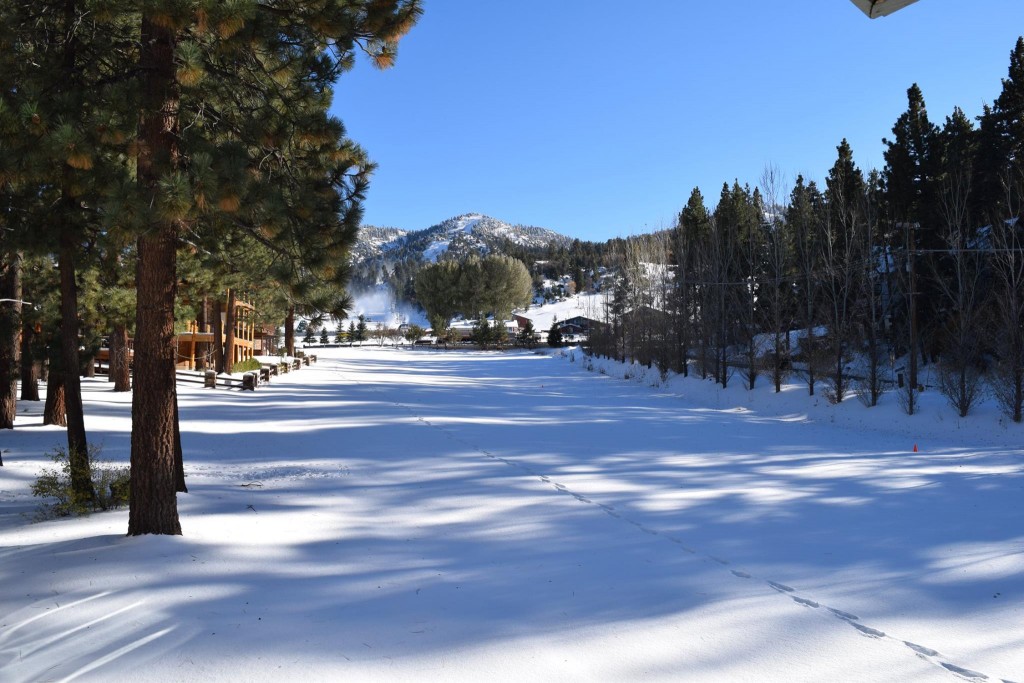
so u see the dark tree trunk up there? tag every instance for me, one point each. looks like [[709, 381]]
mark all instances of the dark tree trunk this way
[[29, 366], [153, 505], [289, 331], [218, 336], [53, 410], [179, 459], [202, 349], [120, 371], [10, 328], [87, 358], [229, 334], [78, 446]]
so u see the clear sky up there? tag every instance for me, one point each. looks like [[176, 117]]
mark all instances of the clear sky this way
[[596, 118]]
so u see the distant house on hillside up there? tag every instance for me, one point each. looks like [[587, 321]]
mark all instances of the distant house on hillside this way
[[574, 329]]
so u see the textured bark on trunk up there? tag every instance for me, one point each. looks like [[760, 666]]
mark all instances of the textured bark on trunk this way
[[10, 328], [289, 331], [229, 334], [179, 459], [153, 506], [218, 337], [120, 372], [53, 410], [201, 321], [29, 366], [78, 446]]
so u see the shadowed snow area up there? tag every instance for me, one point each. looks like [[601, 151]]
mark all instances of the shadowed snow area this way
[[419, 515]]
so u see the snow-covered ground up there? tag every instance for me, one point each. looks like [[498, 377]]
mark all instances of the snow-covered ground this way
[[395, 514], [586, 305]]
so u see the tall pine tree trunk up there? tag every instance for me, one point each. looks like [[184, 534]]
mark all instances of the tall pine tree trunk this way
[[53, 410], [179, 459], [78, 446], [29, 366], [10, 327], [201, 349], [153, 505], [229, 334], [218, 336], [289, 330], [120, 372]]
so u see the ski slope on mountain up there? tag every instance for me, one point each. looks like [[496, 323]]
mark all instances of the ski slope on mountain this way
[[392, 514]]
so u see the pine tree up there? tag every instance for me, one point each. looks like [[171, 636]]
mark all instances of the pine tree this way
[[691, 230], [554, 334], [1000, 158], [841, 253], [59, 120], [252, 80], [909, 193]]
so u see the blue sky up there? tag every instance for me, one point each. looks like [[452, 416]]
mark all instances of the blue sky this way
[[596, 118]]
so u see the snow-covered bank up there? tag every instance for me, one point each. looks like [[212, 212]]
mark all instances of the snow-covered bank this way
[[394, 514]]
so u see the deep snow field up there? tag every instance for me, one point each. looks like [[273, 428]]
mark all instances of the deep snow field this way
[[409, 515]]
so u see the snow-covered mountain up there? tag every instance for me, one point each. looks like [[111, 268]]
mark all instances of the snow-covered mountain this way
[[458, 236], [385, 260]]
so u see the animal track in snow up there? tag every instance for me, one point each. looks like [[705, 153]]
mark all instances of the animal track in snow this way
[[843, 615], [920, 649], [966, 673], [868, 631], [852, 619], [805, 602]]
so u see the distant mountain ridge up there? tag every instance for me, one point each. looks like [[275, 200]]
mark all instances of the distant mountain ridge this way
[[457, 237], [386, 260]]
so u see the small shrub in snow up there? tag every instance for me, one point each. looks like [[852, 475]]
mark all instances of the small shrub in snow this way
[[110, 484], [961, 385], [908, 396]]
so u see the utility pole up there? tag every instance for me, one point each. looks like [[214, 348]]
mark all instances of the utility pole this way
[[913, 319]]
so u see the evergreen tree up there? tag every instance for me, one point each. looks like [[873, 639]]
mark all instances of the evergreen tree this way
[[690, 232], [803, 216], [253, 82], [554, 334], [1001, 143], [527, 335], [840, 246], [909, 193]]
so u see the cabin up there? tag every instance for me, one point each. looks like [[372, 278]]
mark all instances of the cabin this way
[[197, 344]]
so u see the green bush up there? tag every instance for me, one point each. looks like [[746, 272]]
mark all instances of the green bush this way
[[110, 485], [245, 365]]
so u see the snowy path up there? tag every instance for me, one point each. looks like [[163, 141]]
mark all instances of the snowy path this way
[[415, 515]]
